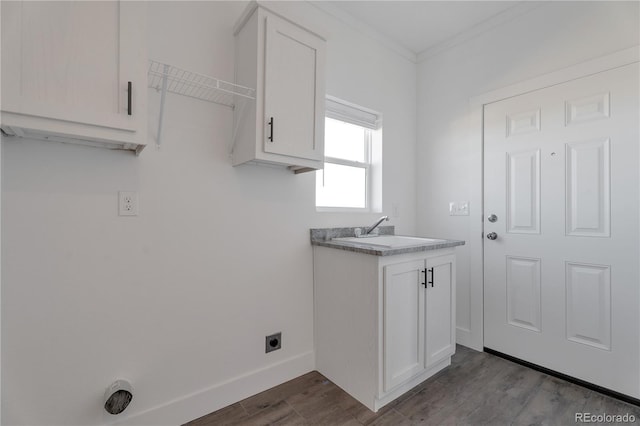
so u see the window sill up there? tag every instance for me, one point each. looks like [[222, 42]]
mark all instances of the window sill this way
[[345, 210], [342, 210]]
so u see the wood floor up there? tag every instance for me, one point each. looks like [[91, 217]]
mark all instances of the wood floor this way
[[477, 389]]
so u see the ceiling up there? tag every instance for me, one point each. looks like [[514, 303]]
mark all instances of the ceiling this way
[[421, 25]]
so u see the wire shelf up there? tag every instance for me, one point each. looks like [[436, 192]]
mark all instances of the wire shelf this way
[[167, 78], [164, 77]]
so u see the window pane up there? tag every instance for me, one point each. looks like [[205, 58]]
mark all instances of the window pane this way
[[344, 186], [344, 140]]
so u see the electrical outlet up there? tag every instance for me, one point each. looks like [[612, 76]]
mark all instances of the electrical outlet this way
[[127, 203], [273, 342]]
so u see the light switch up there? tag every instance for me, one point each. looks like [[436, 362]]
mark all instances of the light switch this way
[[463, 208], [460, 208]]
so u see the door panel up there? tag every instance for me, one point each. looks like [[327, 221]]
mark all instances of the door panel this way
[[524, 122], [589, 304], [440, 334], [588, 108], [561, 280], [523, 292], [403, 313], [292, 90], [523, 193], [588, 188]]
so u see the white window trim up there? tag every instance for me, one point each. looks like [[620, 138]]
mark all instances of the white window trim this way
[[370, 120], [351, 113]]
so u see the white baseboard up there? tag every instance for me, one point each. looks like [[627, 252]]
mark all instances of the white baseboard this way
[[220, 395], [466, 338]]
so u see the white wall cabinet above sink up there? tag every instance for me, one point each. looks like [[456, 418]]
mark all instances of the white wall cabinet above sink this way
[[285, 63], [75, 72]]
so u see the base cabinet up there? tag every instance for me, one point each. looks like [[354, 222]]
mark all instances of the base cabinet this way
[[383, 324]]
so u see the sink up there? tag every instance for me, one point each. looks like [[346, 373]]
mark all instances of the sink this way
[[389, 241]]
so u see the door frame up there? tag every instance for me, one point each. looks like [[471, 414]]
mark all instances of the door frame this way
[[474, 338]]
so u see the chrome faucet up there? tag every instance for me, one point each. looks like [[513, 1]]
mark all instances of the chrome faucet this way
[[375, 225]]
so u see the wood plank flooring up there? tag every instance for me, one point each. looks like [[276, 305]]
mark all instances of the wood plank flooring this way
[[477, 389]]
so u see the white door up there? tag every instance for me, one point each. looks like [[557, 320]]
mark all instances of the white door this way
[[294, 91], [561, 278], [440, 328], [403, 322]]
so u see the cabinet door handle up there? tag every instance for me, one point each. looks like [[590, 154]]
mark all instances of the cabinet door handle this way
[[129, 93], [432, 275], [270, 130], [424, 271]]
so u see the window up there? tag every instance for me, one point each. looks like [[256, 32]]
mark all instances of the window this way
[[351, 179]]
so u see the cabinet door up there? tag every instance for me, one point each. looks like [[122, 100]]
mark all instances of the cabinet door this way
[[440, 324], [294, 91], [71, 62], [403, 322]]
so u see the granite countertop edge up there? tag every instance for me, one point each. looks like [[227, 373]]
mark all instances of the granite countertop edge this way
[[324, 238], [382, 251]]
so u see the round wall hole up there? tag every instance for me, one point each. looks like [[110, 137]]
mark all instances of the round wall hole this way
[[117, 397]]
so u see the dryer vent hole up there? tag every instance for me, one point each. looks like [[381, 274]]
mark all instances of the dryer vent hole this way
[[118, 402], [118, 396]]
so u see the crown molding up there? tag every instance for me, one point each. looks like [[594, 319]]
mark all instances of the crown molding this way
[[364, 29], [499, 19]]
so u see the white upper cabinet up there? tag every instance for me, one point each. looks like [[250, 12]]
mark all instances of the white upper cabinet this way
[[75, 72], [285, 63]]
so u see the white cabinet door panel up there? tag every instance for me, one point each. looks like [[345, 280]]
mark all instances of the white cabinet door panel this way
[[403, 321], [293, 91], [440, 327]]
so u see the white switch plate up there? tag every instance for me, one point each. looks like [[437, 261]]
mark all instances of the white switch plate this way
[[463, 208], [460, 208], [127, 203], [395, 210]]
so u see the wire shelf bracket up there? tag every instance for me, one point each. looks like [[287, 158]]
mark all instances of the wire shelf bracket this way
[[168, 78]]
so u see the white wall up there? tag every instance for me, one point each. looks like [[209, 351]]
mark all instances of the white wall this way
[[177, 300], [553, 36]]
